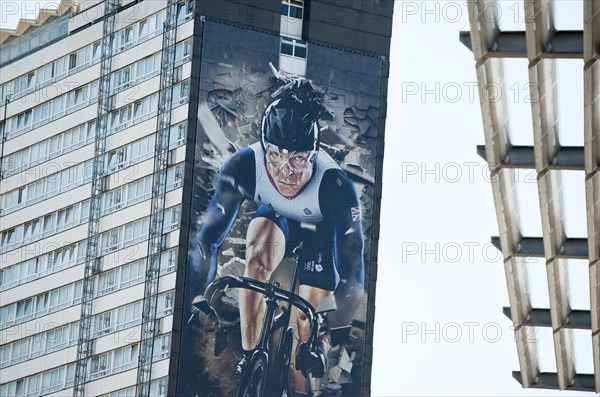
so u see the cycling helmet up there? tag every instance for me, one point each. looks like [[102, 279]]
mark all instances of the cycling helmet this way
[[290, 121]]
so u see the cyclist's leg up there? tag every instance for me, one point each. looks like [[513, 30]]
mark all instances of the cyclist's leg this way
[[317, 279], [265, 248], [313, 295]]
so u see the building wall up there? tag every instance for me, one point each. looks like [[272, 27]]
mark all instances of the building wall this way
[[20, 357]]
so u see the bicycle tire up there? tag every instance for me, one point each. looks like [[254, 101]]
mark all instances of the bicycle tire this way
[[253, 381]]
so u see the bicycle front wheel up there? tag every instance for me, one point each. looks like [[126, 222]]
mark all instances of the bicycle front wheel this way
[[253, 381]]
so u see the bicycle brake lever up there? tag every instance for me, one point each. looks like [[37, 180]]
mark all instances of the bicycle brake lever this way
[[195, 312]]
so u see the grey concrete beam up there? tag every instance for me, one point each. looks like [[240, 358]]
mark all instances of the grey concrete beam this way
[[591, 32], [495, 124], [544, 108], [577, 319], [593, 214], [567, 158], [595, 317], [484, 31], [533, 247], [539, 26], [549, 380], [494, 114], [592, 154], [591, 29], [540, 30], [591, 87], [596, 353], [566, 44], [551, 205]]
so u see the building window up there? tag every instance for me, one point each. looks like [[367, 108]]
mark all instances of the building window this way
[[180, 93], [20, 389], [165, 304], [174, 177], [122, 78], [111, 240], [161, 347], [177, 135], [21, 123], [60, 68], [14, 199], [143, 29], [41, 114], [125, 38], [125, 358], [147, 67], [113, 200], [185, 10], [74, 99], [292, 8], [156, 23], [292, 56], [24, 310], [80, 59], [8, 238], [168, 260], [58, 106], [100, 365], [183, 51], [294, 48], [171, 219], [120, 118], [32, 230], [287, 48], [132, 273], [292, 13], [96, 51]]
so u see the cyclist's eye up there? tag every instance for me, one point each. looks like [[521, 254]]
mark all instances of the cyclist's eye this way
[[275, 155], [299, 158]]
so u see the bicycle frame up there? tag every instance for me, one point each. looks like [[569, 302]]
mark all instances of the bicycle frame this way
[[273, 294]]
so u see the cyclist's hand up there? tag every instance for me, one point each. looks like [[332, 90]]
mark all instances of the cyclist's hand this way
[[201, 304], [311, 362]]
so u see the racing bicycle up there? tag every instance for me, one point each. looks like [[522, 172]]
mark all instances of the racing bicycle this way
[[266, 375]]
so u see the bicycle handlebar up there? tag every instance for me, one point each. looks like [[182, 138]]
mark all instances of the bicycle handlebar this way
[[270, 291]]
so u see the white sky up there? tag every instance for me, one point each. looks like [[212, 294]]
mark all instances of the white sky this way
[[438, 213]]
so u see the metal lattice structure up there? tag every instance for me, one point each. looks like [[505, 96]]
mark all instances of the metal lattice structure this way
[[159, 183], [5, 102], [541, 44], [92, 258]]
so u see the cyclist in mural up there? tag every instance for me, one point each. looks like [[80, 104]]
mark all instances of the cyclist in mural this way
[[304, 197]]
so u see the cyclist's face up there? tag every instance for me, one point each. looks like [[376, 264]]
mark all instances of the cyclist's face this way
[[290, 171]]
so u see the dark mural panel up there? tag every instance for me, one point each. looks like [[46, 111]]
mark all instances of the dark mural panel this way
[[281, 218]]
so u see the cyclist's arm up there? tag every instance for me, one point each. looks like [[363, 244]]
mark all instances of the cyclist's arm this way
[[234, 184], [339, 196]]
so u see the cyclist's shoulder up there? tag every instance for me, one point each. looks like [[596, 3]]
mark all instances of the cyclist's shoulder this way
[[241, 160], [238, 172], [337, 189]]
